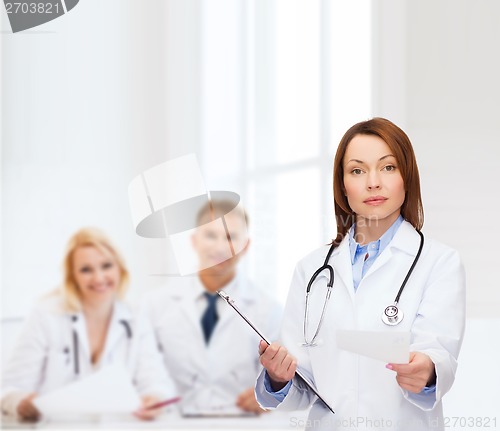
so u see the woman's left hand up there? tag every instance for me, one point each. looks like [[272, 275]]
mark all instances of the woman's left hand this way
[[415, 375], [148, 414]]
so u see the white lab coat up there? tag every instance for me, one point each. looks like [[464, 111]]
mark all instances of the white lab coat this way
[[363, 393], [44, 357], [211, 376]]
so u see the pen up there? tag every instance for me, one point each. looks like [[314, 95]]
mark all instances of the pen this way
[[163, 403]]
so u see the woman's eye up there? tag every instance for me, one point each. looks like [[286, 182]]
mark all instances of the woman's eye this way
[[356, 171], [390, 168], [85, 269], [107, 265]]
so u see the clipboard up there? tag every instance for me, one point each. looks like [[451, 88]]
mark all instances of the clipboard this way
[[298, 374]]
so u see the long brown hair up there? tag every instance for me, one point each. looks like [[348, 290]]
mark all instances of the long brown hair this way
[[400, 145]]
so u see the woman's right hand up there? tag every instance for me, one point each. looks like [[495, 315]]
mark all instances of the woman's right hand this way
[[27, 410], [145, 412], [280, 365]]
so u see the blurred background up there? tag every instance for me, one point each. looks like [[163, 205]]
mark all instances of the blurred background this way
[[261, 91]]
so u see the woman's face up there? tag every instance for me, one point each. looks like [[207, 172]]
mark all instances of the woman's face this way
[[372, 180], [96, 274]]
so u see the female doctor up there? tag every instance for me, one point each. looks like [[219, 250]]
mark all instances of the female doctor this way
[[81, 328], [379, 215]]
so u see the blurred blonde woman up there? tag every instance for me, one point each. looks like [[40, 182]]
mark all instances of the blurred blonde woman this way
[[82, 327]]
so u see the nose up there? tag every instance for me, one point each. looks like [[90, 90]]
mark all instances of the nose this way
[[99, 276], [373, 181]]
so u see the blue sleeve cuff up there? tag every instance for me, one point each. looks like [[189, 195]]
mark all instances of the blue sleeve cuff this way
[[279, 395]]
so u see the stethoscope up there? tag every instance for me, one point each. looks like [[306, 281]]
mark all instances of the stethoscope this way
[[76, 359], [391, 315]]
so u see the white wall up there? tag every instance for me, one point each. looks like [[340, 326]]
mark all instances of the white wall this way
[[88, 105], [89, 101], [437, 75]]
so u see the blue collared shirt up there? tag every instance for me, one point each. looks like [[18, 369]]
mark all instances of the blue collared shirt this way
[[363, 256]]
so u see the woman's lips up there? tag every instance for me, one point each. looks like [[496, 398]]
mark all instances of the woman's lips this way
[[101, 288], [375, 200]]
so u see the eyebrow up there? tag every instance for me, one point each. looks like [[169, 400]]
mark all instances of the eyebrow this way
[[362, 163]]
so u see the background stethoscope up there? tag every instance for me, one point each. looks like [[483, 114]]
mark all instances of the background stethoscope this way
[[76, 360], [392, 315]]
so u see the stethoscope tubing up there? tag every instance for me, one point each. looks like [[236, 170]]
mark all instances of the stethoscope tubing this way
[[76, 353], [412, 267], [328, 293], [328, 267]]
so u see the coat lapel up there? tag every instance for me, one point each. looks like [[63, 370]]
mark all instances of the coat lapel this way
[[405, 240], [117, 329], [242, 299], [80, 335], [187, 302], [341, 262]]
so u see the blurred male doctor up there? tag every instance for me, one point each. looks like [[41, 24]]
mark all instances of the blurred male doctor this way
[[208, 349]]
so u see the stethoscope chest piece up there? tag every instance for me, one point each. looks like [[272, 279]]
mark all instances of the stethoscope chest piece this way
[[392, 315]]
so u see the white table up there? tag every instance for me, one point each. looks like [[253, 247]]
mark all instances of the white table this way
[[272, 421]]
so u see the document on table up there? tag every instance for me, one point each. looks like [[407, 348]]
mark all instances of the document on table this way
[[108, 390], [390, 347]]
